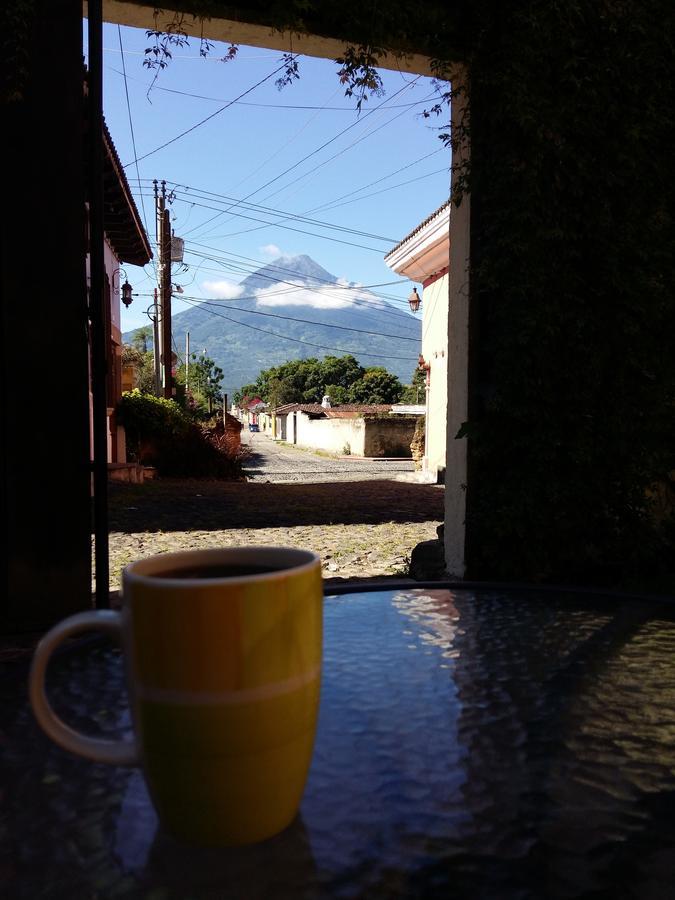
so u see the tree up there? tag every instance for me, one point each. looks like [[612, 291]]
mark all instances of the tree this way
[[376, 386], [306, 380], [143, 365], [203, 379], [337, 394], [246, 390], [415, 392], [141, 338], [342, 378]]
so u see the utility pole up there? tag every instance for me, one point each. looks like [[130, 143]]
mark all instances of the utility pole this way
[[187, 361], [155, 355], [163, 227]]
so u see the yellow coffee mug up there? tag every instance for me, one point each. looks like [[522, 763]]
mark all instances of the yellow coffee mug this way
[[223, 655]]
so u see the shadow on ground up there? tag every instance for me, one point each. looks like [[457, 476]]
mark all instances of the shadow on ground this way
[[185, 505]]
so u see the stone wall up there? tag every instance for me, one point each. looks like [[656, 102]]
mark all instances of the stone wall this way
[[389, 435]]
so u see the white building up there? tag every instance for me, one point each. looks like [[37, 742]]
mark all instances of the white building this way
[[424, 257]]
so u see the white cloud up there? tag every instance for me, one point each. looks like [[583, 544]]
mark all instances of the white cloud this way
[[337, 296], [224, 290], [271, 251]]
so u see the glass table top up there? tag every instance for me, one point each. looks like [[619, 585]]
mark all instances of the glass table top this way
[[471, 743]]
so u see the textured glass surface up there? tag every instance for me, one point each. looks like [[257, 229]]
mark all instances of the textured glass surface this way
[[470, 744]]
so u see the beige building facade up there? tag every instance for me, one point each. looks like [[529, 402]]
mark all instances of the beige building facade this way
[[424, 257]]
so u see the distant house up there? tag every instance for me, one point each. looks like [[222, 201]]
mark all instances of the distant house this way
[[424, 256], [374, 430], [249, 410], [125, 242], [253, 409]]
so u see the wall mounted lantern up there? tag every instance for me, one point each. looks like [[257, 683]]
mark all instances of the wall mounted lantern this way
[[414, 300], [126, 294]]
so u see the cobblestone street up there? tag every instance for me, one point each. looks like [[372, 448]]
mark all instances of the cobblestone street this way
[[276, 462], [357, 515]]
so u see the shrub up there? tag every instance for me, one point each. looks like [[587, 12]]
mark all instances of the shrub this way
[[159, 433]]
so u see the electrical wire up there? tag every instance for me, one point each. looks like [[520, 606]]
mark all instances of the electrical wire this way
[[211, 301], [131, 129], [384, 190], [308, 156], [291, 272], [349, 109], [303, 176], [313, 234], [207, 119], [203, 194], [286, 337], [360, 302], [252, 267], [336, 200]]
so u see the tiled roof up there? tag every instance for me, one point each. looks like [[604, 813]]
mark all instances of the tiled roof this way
[[356, 409], [122, 221], [343, 411], [419, 227], [286, 407]]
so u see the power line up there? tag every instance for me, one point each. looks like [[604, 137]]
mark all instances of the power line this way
[[360, 302], [363, 137], [292, 272], [286, 271], [208, 118], [390, 188], [312, 153], [131, 129], [286, 337], [311, 172], [322, 237], [259, 105], [336, 200], [255, 207], [211, 301]]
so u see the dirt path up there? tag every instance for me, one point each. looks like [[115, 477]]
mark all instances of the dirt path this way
[[360, 529]]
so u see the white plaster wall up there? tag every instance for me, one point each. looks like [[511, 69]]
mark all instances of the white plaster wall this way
[[434, 351], [332, 434]]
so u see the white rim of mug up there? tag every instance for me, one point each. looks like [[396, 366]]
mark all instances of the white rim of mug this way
[[191, 558]]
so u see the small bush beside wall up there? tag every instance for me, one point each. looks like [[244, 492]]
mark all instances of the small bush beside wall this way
[[160, 434]]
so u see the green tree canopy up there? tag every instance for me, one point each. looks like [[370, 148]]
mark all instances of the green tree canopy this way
[[204, 378], [139, 354], [246, 390], [415, 392], [342, 378], [376, 386]]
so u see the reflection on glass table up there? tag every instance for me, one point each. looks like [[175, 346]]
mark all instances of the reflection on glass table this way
[[471, 743]]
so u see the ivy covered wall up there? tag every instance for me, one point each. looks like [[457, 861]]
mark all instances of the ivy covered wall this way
[[572, 403]]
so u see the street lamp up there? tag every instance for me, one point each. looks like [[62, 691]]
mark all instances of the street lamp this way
[[124, 290], [414, 300], [126, 294]]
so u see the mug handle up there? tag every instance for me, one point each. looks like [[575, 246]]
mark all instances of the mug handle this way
[[116, 753]]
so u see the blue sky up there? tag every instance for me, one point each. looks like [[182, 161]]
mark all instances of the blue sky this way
[[271, 157]]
